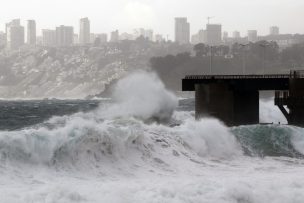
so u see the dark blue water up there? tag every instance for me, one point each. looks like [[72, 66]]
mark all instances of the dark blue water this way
[[19, 114], [16, 115]]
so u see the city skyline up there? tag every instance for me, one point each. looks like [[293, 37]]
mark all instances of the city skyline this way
[[135, 31], [66, 35], [125, 15]]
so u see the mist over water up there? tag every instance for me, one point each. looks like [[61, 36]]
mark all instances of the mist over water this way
[[140, 148], [141, 95], [269, 113]]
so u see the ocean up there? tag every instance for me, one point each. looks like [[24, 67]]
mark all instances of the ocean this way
[[144, 145]]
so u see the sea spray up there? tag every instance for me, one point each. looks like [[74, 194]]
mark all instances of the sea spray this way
[[141, 95], [269, 113], [270, 140], [107, 156], [209, 137], [114, 129]]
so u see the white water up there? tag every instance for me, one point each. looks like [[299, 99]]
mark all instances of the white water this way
[[118, 154]]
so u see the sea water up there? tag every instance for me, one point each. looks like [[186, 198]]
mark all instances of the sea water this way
[[145, 146]]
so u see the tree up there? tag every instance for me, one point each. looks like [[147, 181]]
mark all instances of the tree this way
[[182, 58], [97, 42], [200, 50]]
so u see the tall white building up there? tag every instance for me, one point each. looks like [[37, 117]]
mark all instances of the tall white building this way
[[103, 37], [252, 35], [76, 39], [182, 31], [64, 35], [274, 30], [126, 36], [48, 37], [92, 38], [202, 36], [15, 22], [84, 31], [114, 36], [195, 39], [225, 36], [14, 34], [141, 32], [236, 35], [31, 32], [214, 34]]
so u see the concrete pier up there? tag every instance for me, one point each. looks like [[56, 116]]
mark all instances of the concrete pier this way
[[234, 99], [214, 100]]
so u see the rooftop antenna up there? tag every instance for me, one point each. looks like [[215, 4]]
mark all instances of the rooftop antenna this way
[[209, 17]]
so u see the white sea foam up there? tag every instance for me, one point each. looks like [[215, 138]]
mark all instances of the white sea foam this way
[[269, 113], [141, 95], [119, 153]]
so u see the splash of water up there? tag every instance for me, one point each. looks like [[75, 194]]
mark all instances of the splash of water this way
[[114, 155], [141, 95]]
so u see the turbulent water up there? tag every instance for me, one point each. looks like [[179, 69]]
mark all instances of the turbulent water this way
[[145, 146]]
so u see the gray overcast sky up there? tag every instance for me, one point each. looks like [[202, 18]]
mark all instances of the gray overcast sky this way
[[125, 15]]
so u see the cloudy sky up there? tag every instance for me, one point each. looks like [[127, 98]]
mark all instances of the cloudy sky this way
[[125, 15]]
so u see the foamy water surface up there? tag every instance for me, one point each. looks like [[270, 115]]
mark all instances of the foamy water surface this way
[[141, 149]]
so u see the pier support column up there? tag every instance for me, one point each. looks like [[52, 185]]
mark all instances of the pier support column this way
[[246, 107], [232, 107], [296, 102], [214, 100]]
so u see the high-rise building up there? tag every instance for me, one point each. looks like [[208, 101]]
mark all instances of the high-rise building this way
[[202, 36], [84, 31], [103, 37], [15, 22], [214, 34], [225, 36], [48, 37], [236, 35], [126, 36], [14, 34], [139, 32], [274, 30], [114, 36], [252, 35], [76, 39], [31, 32], [195, 39], [92, 38], [64, 35], [182, 31]]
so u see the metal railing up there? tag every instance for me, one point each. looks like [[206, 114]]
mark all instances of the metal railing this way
[[292, 74], [283, 98], [297, 74], [209, 77]]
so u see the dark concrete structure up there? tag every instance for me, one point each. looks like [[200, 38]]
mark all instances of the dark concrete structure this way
[[234, 99]]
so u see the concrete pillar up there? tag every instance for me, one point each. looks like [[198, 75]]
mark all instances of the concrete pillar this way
[[214, 100], [232, 107], [296, 102], [246, 107]]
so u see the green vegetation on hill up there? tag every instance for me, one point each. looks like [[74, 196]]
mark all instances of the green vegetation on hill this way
[[254, 58]]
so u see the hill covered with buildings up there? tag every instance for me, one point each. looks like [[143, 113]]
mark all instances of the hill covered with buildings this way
[[74, 71]]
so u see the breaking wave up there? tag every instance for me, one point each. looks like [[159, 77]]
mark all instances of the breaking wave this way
[[138, 125], [271, 140], [141, 149], [119, 132]]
